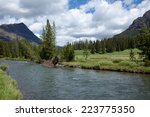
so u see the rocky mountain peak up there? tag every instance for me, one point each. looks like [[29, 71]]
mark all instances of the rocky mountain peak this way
[[8, 31], [136, 26]]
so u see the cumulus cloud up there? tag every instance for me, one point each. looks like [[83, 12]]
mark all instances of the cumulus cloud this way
[[32, 8], [35, 27], [43, 7], [106, 19]]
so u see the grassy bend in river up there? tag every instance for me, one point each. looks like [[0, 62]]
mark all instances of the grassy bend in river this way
[[8, 86], [116, 61]]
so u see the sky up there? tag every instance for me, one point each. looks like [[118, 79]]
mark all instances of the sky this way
[[75, 19]]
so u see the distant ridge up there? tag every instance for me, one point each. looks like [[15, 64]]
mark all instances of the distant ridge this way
[[136, 26], [9, 32]]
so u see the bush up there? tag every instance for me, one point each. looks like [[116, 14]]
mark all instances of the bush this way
[[117, 60], [68, 53], [4, 67], [105, 63], [124, 63], [147, 63], [140, 63], [128, 64]]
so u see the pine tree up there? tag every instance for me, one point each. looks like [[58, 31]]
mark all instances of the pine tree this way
[[93, 49], [144, 45], [68, 52], [48, 46], [97, 46]]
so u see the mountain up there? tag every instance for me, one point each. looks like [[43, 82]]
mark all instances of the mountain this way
[[9, 32], [136, 26]]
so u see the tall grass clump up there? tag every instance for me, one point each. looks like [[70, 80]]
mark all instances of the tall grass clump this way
[[105, 63], [130, 64], [4, 67], [117, 60], [8, 88]]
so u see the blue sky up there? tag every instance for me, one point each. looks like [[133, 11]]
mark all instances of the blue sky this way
[[75, 19], [77, 3], [73, 4]]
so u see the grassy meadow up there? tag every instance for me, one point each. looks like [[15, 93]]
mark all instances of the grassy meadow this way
[[8, 86], [116, 61]]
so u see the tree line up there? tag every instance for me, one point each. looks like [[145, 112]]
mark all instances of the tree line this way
[[106, 45], [19, 48], [48, 50]]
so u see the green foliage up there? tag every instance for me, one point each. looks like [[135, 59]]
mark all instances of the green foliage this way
[[68, 52], [92, 49], [8, 88], [97, 46], [48, 46], [147, 62], [125, 63], [86, 54], [85, 51], [132, 55], [19, 48], [4, 67], [107, 45], [105, 63], [116, 61], [144, 45], [27, 51]]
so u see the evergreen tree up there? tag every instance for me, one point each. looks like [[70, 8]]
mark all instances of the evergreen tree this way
[[93, 49], [103, 49], [68, 52], [97, 46], [144, 45], [48, 46], [15, 48]]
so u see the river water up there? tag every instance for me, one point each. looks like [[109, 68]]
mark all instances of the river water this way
[[37, 82]]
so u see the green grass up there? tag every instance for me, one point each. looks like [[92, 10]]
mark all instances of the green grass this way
[[4, 67], [116, 61], [15, 59], [8, 87]]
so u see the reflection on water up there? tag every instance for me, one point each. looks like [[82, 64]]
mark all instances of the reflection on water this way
[[38, 82]]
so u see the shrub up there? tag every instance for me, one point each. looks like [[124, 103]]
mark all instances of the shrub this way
[[68, 53], [128, 64], [132, 55], [4, 67], [117, 60], [124, 63], [105, 63], [147, 63]]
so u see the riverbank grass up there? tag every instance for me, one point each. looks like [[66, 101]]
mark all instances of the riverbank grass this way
[[15, 59], [116, 61], [8, 87]]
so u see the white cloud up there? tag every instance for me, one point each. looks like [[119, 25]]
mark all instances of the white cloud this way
[[36, 27], [73, 24], [128, 1]]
